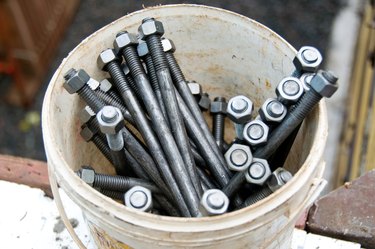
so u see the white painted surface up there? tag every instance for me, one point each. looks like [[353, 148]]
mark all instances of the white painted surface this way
[[28, 218]]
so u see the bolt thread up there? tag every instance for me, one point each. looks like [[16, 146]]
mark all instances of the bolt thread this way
[[118, 76], [133, 86], [131, 57], [93, 101], [116, 183], [175, 69], [115, 96], [102, 146], [263, 193], [218, 127], [152, 73], [305, 105], [117, 195], [156, 49]]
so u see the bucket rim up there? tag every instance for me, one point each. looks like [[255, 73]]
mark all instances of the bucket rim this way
[[84, 195]]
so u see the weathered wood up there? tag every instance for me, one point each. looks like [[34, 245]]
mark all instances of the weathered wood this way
[[25, 171]]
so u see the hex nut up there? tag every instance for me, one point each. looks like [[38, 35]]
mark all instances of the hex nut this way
[[204, 102], [195, 88], [93, 84], [258, 172], [87, 174], [219, 105], [110, 120], [289, 90], [238, 157], [124, 39], [142, 49], [87, 134], [213, 202], [278, 179], [324, 83], [105, 57], [306, 80], [75, 80], [272, 111], [150, 26], [239, 109], [168, 45], [139, 198], [105, 85], [86, 114], [256, 132], [308, 59]]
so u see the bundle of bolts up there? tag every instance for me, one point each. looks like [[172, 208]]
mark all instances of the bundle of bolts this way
[[177, 166]]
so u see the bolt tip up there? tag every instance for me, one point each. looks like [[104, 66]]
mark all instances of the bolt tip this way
[[148, 19], [69, 74], [330, 76], [121, 33]]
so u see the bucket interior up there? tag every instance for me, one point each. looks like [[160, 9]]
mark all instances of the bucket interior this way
[[226, 53]]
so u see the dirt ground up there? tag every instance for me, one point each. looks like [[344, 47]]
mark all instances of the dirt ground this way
[[306, 22]]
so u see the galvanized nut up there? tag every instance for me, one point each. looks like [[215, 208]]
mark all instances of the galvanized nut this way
[[105, 57], [168, 45], [195, 89], [86, 114], [87, 174], [75, 80], [239, 109], [272, 111], [213, 202], [258, 172], [256, 132], [306, 80], [324, 83], [278, 179], [139, 198], [150, 26], [238, 157], [289, 90], [124, 39], [105, 85], [110, 120], [308, 59], [204, 102]]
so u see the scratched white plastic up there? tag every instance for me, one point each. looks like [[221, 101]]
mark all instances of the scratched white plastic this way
[[228, 54]]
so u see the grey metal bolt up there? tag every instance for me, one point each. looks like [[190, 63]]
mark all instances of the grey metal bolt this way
[[115, 183], [111, 122], [239, 111], [307, 60], [90, 135], [139, 198], [183, 89], [278, 179], [218, 111], [289, 91], [213, 202], [142, 122], [76, 82], [256, 132], [258, 172], [272, 111], [239, 157], [324, 84]]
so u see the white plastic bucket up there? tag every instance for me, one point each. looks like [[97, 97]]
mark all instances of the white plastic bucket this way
[[228, 54]]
